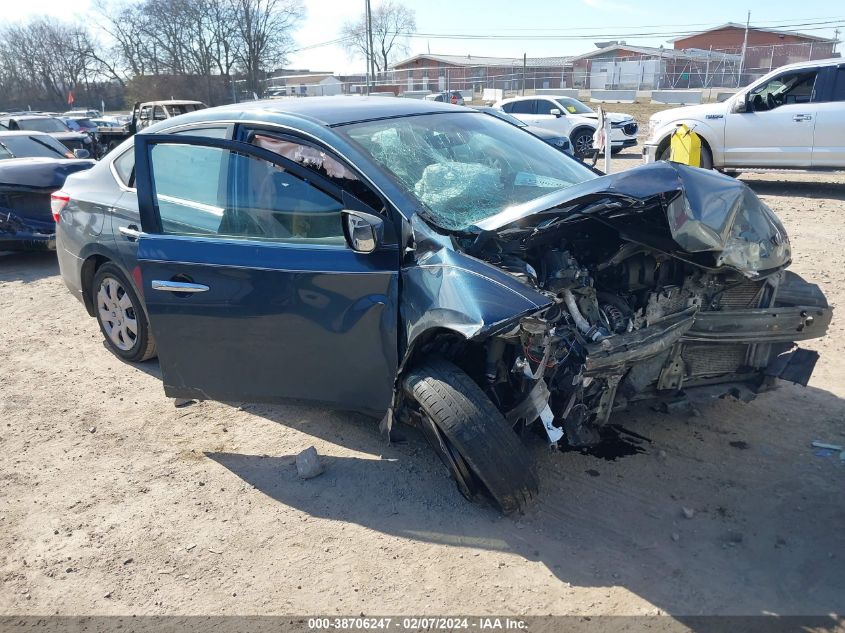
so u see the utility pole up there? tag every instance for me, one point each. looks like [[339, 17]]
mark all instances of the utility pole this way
[[835, 41], [524, 64], [370, 42], [366, 48], [744, 47]]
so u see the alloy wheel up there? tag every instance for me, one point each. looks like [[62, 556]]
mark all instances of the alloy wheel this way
[[583, 143]]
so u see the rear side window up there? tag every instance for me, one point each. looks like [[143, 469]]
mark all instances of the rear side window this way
[[522, 107], [235, 195], [124, 167], [545, 107]]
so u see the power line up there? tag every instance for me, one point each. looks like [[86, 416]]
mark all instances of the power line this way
[[607, 34], [819, 24], [770, 23]]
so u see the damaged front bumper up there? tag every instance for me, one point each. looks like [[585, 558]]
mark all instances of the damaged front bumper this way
[[718, 352]]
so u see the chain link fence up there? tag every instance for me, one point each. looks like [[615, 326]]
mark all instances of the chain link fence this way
[[631, 68]]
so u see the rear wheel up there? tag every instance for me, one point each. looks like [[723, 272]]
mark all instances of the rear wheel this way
[[120, 315], [471, 436]]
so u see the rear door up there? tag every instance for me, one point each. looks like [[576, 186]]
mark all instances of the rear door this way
[[125, 216], [829, 135], [250, 287], [777, 129]]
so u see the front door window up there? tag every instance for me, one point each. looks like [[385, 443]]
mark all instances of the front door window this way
[[239, 196], [795, 87]]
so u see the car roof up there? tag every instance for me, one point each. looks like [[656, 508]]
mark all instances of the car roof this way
[[22, 133], [816, 63], [27, 117], [171, 102], [526, 97], [329, 111]]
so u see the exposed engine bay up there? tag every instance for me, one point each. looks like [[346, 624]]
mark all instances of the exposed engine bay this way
[[647, 297]]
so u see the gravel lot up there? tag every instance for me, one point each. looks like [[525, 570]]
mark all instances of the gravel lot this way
[[113, 501]]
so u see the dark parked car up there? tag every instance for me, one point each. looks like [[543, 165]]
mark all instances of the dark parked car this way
[[49, 125], [83, 123], [430, 264], [549, 136], [32, 166]]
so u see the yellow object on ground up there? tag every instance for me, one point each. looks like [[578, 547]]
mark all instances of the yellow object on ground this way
[[685, 147]]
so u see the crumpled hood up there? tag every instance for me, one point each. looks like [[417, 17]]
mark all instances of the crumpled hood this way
[[715, 218]]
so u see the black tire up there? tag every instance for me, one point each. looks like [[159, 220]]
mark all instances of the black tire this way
[[706, 156], [582, 142], [132, 346], [477, 444]]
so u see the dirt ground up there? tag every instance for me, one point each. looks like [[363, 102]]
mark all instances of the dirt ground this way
[[113, 501]]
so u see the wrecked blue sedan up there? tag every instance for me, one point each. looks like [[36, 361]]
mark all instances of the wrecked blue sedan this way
[[430, 265]]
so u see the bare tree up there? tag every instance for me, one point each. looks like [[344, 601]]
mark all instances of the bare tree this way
[[392, 24], [197, 46], [265, 34], [45, 60]]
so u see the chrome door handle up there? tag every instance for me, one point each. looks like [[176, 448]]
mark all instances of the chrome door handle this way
[[130, 231], [177, 286], [803, 117]]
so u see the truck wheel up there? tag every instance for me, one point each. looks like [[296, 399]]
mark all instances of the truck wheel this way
[[471, 436], [706, 156], [120, 315]]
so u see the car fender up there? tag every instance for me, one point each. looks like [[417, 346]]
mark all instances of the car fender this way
[[446, 290], [91, 256]]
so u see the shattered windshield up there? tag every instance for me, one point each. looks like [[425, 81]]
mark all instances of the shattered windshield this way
[[465, 167]]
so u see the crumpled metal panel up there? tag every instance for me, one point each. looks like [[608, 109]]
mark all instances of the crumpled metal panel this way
[[706, 212], [448, 289]]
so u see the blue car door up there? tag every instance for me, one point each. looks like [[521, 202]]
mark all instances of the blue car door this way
[[251, 289]]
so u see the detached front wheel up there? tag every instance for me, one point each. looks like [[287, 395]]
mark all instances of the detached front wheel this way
[[471, 436]]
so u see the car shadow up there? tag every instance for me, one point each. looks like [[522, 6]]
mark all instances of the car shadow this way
[[707, 516], [150, 367], [27, 266], [825, 190]]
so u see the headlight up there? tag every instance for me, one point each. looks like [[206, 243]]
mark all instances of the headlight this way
[[757, 242], [727, 219]]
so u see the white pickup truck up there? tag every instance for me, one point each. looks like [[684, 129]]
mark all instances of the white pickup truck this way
[[793, 118]]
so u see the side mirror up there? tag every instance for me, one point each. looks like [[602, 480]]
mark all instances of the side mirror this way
[[364, 232], [556, 112], [741, 105], [81, 153]]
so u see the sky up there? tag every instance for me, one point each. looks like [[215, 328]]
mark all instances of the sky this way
[[539, 28]]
